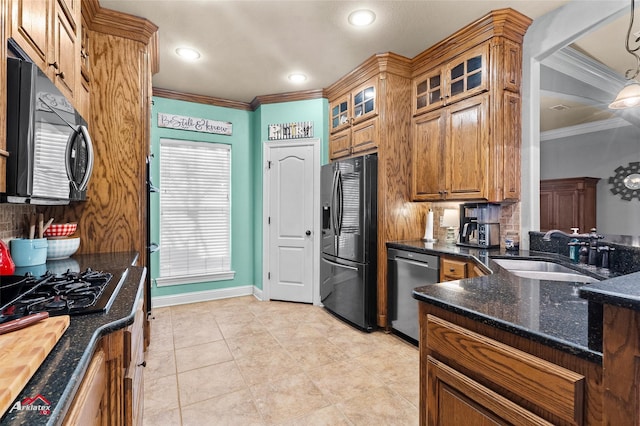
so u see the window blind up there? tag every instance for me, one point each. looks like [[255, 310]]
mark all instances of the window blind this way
[[195, 212]]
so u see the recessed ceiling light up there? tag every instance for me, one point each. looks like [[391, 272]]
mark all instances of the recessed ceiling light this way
[[362, 18], [188, 53], [297, 77]]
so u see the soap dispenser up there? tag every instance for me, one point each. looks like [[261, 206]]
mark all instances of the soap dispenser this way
[[574, 246]]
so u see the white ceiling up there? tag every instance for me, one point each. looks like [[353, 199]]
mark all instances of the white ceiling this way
[[250, 47]]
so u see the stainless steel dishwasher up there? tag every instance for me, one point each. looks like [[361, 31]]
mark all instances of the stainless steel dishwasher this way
[[406, 271]]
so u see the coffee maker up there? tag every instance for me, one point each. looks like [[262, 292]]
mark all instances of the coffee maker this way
[[479, 225]]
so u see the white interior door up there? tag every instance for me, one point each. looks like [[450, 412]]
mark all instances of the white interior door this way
[[291, 222]]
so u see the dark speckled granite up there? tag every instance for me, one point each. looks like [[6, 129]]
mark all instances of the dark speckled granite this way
[[549, 312], [59, 376]]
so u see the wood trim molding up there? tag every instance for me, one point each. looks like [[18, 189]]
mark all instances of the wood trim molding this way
[[119, 24], [225, 103], [388, 62], [507, 23], [200, 99], [287, 97]]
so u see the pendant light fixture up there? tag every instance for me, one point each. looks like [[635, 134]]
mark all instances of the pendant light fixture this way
[[629, 96]]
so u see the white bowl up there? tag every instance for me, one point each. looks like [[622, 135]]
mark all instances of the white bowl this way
[[62, 248]]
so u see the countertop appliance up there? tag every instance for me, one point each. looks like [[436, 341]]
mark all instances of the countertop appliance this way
[[349, 205], [69, 293], [479, 225], [50, 152], [406, 271]]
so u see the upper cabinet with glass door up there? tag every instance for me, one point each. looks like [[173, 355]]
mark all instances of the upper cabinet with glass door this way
[[354, 107], [464, 76]]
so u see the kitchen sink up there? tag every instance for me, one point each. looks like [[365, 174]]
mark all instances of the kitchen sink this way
[[543, 270]]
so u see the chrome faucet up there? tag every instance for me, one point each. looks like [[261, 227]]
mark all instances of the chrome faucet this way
[[547, 236]]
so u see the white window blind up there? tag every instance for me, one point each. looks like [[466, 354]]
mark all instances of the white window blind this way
[[195, 212]]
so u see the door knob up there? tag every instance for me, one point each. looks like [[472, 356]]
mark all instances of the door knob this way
[[308, 232]]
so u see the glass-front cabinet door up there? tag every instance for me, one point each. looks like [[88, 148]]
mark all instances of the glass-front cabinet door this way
[[465, 76], [428, 91], [340, 113], [468, 74], [364, 101]]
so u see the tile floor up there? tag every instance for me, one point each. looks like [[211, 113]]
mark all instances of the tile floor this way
[[241, 361]]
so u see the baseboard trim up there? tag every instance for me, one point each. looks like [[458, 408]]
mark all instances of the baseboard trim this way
[[205, 296]]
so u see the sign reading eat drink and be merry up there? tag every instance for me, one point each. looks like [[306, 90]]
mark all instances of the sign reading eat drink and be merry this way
[[195, 124]]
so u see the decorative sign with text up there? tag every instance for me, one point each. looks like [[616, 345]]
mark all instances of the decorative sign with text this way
[[194, 124]]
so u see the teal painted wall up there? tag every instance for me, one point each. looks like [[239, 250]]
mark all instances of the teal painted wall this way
[[315, 110], [242, 198], [249, 133]]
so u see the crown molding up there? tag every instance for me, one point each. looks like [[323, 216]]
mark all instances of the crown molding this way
[[303, 95], [119, 24], [200, 99], [581, 129], [577, 65]]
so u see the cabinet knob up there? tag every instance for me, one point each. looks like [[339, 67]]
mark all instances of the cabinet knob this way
[[84, 54], [60, 74], [142, 364], [54, 65]]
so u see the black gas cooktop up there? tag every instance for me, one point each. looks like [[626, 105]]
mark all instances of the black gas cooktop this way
[[70, 293]]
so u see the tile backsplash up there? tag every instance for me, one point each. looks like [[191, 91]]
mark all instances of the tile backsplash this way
[[12, 219]]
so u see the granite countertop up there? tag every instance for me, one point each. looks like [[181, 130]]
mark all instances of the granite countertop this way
[[550, 312], [61, 373]]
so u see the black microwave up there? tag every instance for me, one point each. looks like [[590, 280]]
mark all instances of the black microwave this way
[[50, 151]]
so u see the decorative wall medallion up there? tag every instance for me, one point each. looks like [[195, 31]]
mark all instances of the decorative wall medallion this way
[[626, 182]]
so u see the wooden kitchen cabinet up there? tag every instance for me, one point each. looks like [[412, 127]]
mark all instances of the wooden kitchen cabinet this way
[[88, 407], [47, 31], [568, 203], [450, 152], [353, 123], [471, 378], [134, 364], [460, 78], [466, 135], [456, 268]]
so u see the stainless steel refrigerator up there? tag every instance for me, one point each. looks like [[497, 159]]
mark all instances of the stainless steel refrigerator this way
[[348, 282]]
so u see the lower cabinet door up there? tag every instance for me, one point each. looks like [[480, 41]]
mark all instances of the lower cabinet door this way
[[455, 399], [88, 407]]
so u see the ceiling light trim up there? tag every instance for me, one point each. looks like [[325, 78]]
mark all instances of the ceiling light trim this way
[[362, 18], [188, 53]]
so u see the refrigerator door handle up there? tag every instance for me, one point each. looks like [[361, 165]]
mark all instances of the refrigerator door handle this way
[[340, 265], [334, 182], [340, 212]]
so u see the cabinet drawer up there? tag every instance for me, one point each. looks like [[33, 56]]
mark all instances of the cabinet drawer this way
[[134, 397], [365, 136], [453, 269], [134, 340], [552, 388]]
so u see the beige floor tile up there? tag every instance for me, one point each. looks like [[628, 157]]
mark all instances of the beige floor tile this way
[[160, 393], [161, 417], [161, 341], [247, 362], [314, 352], [160, 363], [195, 331], [288, 399], [239, 325], [387, 365], [252, 345], [232, 409], [343, 380], [199, 356], [208, 382], [275, 365], [327, 416], [380, 406]]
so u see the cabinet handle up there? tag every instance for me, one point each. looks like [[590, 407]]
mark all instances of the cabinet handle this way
[[142, 364], [60, 74], [452, 270], [84, 54], [55, 65]]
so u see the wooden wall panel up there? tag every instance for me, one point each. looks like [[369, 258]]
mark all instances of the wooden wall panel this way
[[113, 217]]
